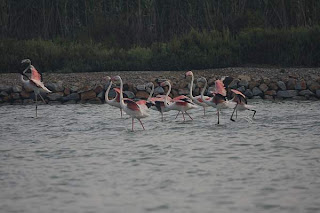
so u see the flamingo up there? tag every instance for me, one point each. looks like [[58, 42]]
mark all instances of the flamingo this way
[[34, 82], [181, 103], [219, 98], [158, 102], [137, 109], [241, 103], [206, 99], [198, 99]]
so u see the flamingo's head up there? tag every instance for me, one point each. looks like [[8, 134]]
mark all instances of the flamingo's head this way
[[150, 84], [26, 61], [116, 78], [106, 78], [202, 80], [189, 73], [165, 83]]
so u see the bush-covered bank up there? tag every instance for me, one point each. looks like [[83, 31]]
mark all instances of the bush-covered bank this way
[[195, 50]]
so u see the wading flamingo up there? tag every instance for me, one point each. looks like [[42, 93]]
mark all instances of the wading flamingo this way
[[34, 82], [198, 99], [206, 99], [181, 103], [241, 103], [115, 102], [137, 109], [219, 98]]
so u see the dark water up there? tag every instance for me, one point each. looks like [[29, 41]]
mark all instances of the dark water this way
[[84, 158]]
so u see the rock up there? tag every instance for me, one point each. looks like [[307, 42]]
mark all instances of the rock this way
[[263, 87], [266, 80], [234, 84], [101, 95], [17, 102], [282, 85], [28, 101], [248, 93], [98, 89], [70, 102], [112, 94], [268, 97], [71, 97], [301, 85], [241, 89], [67, 91], [95, 101], [306, 93], [318, 93], [257, 92], [174, 93], [55, 96], [183, 84], [300, 98], [244, 77], [270, 93], [158, 91], [129, 94], [17, 88], [55, 87], [256, 97], [287, 93], [314, 86], [273, 86], [142, 95], [54, 102], [25, 94], [3, 94], [74, 89], [243, 83], [291, 83], [253, 84], [88, 95], [141, 87], [184, 91], [15, 96], [5, 88]]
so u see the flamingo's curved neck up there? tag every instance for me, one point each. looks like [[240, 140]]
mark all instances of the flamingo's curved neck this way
[[166, 98], [203, 89], [24, 81], [151, 93], [191, 87], [121, 95], [107, 92]]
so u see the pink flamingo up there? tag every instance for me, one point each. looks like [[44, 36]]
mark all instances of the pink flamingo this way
[[181, 103], [198, 99], [34, 82], [219, 98], [241, 103], [206, 99], [137, 109]]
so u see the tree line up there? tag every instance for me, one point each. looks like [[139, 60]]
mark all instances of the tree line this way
[[80, 35]]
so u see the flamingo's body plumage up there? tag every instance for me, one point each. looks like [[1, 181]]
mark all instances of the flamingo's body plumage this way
[[241, 103]]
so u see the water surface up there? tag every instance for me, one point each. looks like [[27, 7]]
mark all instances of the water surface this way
[[84, 158]]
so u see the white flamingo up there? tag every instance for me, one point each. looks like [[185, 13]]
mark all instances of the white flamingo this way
[[115, 102], [181, 103], [137, 109], [198, 99], [34, 82], [241, 103]]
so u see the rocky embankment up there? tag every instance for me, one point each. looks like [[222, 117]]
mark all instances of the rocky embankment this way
[[257, 83]]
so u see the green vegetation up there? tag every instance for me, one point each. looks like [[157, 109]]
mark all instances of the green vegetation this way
[[98, 35]]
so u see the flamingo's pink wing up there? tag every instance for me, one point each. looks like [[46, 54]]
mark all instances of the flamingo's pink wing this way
[[238, 92], [219, 88], [141, 102], [132, 105], [199, 99], [117, 90], [35, 75]]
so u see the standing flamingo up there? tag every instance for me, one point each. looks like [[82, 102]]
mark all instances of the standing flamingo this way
[[181, 103], [219, 98], [241, 103], [206, 99], [34, 82], [198, 99], [137, 109]]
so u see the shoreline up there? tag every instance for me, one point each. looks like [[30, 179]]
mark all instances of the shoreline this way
[[254, 82]]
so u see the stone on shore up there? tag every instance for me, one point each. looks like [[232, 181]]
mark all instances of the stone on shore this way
[[142, 95], [306, 93], [291, 84], [234, 84], [314, 86], [243, 83], [248, 93], [282, 85], [287, 93], [263, 87], [71, 97], [301, 85], [55, 96], [318, 93], [17, 88], [129, 94], [5, 88], [88, 95], [15, 96], [158, 91], [257, 92]]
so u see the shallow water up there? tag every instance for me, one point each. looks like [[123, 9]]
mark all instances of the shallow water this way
[[84, 158]]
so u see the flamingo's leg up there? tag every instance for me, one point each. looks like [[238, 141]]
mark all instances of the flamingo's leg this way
[[204, 111], [235, 109], [161, 115], [189, 115], [141, 124], [121, 112], [183, 116], [132, 123], [36, 95], [254, 112], [236, 114], [42, 98], [177, 115], [218, 117]]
